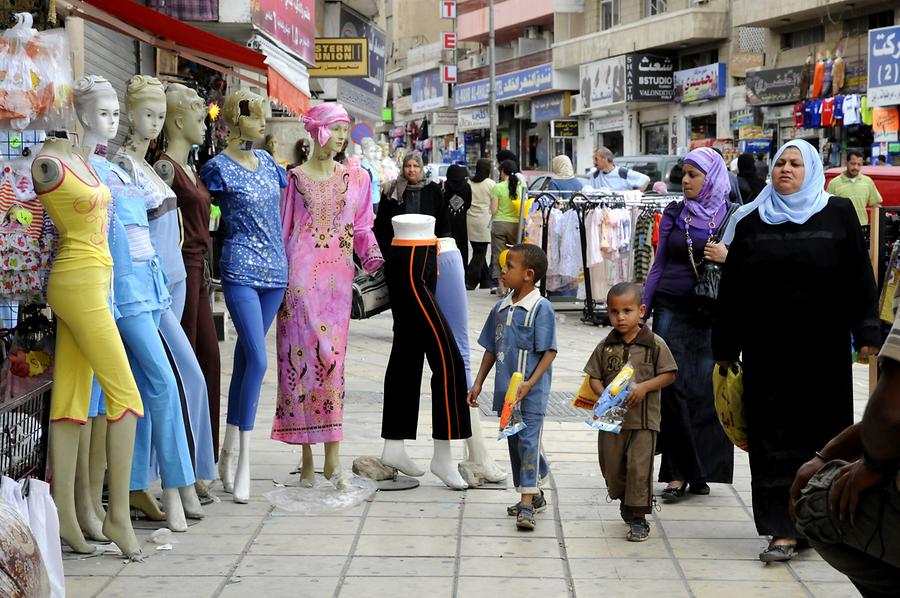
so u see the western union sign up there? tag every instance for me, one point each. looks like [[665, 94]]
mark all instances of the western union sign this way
[[341, 57]]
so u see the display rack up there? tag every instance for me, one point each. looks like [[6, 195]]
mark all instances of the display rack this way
[[24, 433]]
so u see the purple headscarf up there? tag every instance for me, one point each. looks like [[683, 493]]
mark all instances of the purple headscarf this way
[[716, 186]]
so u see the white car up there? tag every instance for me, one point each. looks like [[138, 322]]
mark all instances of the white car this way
[[436, 172]]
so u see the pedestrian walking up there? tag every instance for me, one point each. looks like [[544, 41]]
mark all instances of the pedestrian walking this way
[[505, 226], [478, 225], [695, 449], [799, 250], [458, 197], [749, 182]]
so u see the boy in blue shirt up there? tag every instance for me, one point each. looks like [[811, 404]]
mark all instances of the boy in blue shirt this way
[[520, 336]]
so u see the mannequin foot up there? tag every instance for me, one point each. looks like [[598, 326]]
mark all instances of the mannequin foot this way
[[242, 489], [242, 476], [201, 488], [492, 472], [227, 468], [90, 524], [447, 472], [190, 502], [122, 535], [307, 480], [394, 455], [340, 480], [144, 502], [174, 510], [73, 537]]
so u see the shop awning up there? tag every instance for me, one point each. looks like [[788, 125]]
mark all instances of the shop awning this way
[[195, 44]]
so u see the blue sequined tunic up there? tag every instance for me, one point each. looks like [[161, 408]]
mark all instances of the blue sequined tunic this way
[[253, 252]]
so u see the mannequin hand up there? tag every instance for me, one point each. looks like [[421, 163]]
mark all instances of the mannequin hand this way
[[715, 252], [472, 397]]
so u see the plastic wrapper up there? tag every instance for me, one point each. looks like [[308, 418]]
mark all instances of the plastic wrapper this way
[[609, 412], [323, 497], [586, 398], [511, 421], [35, 78]]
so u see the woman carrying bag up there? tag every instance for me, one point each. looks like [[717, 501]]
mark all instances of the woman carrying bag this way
[[695, 449]]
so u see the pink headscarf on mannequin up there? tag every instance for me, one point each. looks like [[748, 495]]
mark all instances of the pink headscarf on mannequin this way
[[321, 116]]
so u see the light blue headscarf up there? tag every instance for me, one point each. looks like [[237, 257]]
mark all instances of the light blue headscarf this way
[[775, 208]]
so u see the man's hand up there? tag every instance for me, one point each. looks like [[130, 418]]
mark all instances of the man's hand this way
[[853, 480], [524, 388], [472, 397], [804, 474], [637, 394]]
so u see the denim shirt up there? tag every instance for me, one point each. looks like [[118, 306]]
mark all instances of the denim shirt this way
[[518, 334]]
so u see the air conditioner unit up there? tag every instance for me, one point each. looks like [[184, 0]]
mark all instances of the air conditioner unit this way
[[532, 33], [523, 110]]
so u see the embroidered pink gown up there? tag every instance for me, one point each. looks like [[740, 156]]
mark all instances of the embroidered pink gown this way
[[323, 224]]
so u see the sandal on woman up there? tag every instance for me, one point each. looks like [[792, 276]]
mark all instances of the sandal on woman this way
[[674, 493], [778, 553]]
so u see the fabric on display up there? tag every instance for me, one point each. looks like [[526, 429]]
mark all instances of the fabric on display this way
[[44, 523]]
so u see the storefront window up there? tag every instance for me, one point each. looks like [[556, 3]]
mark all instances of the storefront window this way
[[612, 140], [656, 139], [703, 127]]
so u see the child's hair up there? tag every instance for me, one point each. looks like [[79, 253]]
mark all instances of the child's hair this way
[[508, 167], [626, 288], [533, 257]]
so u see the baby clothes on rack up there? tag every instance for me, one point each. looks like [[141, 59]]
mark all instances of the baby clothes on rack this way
[[564, 244]]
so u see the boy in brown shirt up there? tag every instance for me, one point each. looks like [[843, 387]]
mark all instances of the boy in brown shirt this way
[[626, 458]]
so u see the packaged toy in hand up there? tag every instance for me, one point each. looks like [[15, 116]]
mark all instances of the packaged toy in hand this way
[[609, 412], [511, 417]]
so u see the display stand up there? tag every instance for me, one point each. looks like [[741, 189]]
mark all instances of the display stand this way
[[399, 482], [24, 433]]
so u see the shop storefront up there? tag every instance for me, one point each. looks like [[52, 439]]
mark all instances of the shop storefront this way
[[542, 145], [884, 94]]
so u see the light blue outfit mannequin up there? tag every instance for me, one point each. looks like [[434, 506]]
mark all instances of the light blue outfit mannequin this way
[[165, 234], [139, 290]]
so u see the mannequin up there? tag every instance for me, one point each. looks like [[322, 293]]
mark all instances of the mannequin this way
[[422, 329], [326, 217], [838, 72], [247, 185], [186, 127], [369, 164], [806, 77], [818, 80], [829, 64], [140, 297], [86, 340]]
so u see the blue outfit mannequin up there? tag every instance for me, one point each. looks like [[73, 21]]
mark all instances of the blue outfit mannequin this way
[[140, 297], [165, 234]]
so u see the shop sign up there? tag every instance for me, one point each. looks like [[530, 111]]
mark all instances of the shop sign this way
[[563, 129], [448, 40], [884, 66], [340, 57], [448, 9], [602, 83], [443, 118], [743, 118], [856, 77], [649, 78], [741, 62], [885, 124], [428, 92], [387, 115], [403, 104], [701, 83], [774, 86], [508, 86], [353, 26], [548, 107], [448, 73], [473, 118], [755, 133], [290, 22]]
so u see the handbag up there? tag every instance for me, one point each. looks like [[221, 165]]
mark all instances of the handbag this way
[[708, 273], [728, 394], [370, 295]]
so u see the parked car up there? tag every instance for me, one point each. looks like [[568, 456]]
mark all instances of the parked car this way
[[657, 167], [436, 172], [535, 179], [541, 181]]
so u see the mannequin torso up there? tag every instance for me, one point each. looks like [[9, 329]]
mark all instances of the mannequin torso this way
[[413, 227]]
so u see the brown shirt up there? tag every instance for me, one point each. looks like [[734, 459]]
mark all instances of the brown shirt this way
[[649, 355], [194, 202]]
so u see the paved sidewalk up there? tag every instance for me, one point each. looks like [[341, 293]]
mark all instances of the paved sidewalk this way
[[435, 542]]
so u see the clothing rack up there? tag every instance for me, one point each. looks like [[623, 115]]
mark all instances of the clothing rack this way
[[593, 310]]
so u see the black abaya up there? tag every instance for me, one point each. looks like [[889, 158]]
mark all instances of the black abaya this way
[[790, 296]]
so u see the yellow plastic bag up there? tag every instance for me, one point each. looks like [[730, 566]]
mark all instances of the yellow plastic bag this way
[[586, 397], [728, 392]]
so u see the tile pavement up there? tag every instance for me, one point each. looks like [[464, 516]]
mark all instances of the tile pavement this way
[[434, 542]]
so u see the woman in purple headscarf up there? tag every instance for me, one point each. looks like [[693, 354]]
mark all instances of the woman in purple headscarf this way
[[695, 450]]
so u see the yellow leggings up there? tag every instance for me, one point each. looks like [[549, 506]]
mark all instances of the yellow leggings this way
[[88, 344]]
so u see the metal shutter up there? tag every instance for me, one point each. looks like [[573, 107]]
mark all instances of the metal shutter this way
[[112, 55]]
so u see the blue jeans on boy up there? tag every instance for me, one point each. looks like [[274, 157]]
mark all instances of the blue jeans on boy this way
[[528, 464]]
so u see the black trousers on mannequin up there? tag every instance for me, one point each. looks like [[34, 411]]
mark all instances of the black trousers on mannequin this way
[[477, 271], [420, 331]]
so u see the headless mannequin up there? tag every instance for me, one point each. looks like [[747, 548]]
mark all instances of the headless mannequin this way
[[235, 472], [147, 117], [65, 435], [417, 227], [319, 167]]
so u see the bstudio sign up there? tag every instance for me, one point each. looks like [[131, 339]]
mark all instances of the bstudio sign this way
[[649, 78]]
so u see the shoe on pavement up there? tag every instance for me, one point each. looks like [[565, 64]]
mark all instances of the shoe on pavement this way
[[639, 530], [538, 503], [525, 518]]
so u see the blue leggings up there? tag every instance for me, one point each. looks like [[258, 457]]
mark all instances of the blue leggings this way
[[252, 311], [451, 298]]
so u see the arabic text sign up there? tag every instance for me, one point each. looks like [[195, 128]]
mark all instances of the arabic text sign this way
[[291, 22], [549, 107], [885, 124], [701, 83], [774, 86], [341, 57], [563, 129], [427, 92], [884, 66], [473, 118], [508, 86], [648, 78]]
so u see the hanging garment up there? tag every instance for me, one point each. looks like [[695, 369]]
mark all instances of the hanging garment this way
[[642, 246], [44, 523], [851, 110], [11, 494], [818, 79]]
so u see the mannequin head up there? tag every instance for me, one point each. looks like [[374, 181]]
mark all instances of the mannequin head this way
[[185, 114], [271, 144], [379, 153], [329, 125], [245, 113], [97, 107], [145, 103], [369, 149]]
